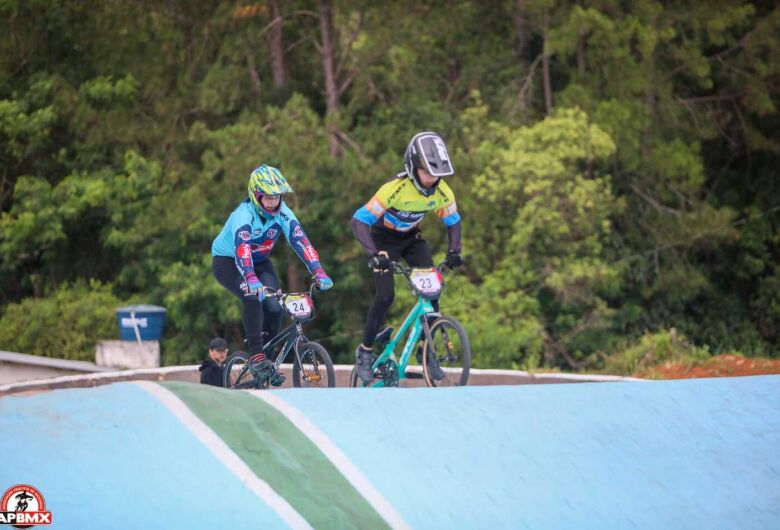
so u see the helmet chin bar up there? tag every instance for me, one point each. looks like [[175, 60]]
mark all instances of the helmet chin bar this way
[[422, 189], [272, 212], [259, 197]]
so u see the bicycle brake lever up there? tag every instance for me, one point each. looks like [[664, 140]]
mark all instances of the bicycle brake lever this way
[[269, 291]]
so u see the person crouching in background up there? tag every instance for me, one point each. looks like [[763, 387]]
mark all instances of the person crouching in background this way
[[211, 368]]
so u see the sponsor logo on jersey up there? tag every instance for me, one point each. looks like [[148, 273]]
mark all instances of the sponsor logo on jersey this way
[[397, 191], [245, 255], [244, 235], [297, 232], [408, 216], [271, 232], [309, 254], [264, 247]]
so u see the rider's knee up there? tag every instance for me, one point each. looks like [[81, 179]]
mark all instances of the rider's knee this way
[[272, 306], [385, 300], [251, 302]]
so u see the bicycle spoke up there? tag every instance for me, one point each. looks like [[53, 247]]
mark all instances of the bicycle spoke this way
[[313, 367], [448, 356]]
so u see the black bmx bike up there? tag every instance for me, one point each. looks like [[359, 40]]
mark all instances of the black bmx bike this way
[[312, 365]]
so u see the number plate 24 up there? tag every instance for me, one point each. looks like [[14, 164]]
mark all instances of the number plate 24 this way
[[299, 305]]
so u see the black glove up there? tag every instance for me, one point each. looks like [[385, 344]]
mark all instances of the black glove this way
[[453, 259], [380, 262]]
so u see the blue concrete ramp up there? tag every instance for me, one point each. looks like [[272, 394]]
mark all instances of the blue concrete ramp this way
[[677, 454]]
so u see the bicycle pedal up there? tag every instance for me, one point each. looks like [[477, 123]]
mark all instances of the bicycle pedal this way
[[383, 337]]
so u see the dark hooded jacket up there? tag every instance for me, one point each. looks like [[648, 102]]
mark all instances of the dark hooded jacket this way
[[210, 373]]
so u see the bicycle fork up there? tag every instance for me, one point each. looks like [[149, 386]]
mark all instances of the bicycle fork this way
[[312, 375]]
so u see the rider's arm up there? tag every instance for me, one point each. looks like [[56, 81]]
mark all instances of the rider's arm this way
[[451, 218], [243, 257], [297, 239], [453, 235], [365, 217], [362, 232]]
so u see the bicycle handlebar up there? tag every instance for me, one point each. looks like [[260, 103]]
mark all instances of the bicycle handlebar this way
[[269, 292], [399, 268]]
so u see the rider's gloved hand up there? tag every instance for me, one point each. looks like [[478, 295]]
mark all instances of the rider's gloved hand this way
[[322, 280], [453, 259], [253, 286], [379, 262]]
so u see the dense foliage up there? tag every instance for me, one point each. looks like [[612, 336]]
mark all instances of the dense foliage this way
[[617, 165]]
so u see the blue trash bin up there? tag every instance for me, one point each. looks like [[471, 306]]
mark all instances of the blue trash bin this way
[[140, 322]]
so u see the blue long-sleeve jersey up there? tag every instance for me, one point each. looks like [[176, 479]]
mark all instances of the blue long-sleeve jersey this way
[[249, 237]]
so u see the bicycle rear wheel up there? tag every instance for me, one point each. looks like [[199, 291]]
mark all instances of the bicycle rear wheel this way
[[452, 351], [236, 373], [316, 369]]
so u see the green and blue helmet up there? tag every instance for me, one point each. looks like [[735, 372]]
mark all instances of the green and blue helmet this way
[[267, 180]]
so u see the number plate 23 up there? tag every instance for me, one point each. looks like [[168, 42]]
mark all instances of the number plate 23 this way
[[427, 282]]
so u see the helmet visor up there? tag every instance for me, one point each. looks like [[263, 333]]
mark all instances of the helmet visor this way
[[434, 156]]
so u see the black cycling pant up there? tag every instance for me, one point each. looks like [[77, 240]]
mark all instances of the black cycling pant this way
[[257, 316], [412, 248]]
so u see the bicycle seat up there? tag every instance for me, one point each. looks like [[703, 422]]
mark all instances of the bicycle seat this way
[[383, 337]]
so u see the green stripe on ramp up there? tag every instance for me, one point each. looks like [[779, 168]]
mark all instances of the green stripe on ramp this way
[[281, 455]]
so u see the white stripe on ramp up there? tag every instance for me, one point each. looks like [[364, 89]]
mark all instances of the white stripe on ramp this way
[[363, 486], [226, 455]]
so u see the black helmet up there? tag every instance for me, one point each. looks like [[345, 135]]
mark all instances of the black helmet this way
[[427, 151]]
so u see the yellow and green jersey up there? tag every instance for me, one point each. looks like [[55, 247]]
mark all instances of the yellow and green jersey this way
[[399, 206]]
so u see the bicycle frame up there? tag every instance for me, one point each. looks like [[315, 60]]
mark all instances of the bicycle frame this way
[[291, 335], [416, 324]]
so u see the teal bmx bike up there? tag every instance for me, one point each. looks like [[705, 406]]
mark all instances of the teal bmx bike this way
[[438, 341]]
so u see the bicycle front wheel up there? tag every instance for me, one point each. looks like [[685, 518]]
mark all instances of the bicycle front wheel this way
[[316, 368], [450, 352], [236, 373], [353, 378]]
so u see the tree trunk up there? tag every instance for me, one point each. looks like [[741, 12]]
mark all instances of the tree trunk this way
[[525, 90], [548, 95], [276, 43], [521, 30], [328, 65], [581, 50], [254, 76]]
